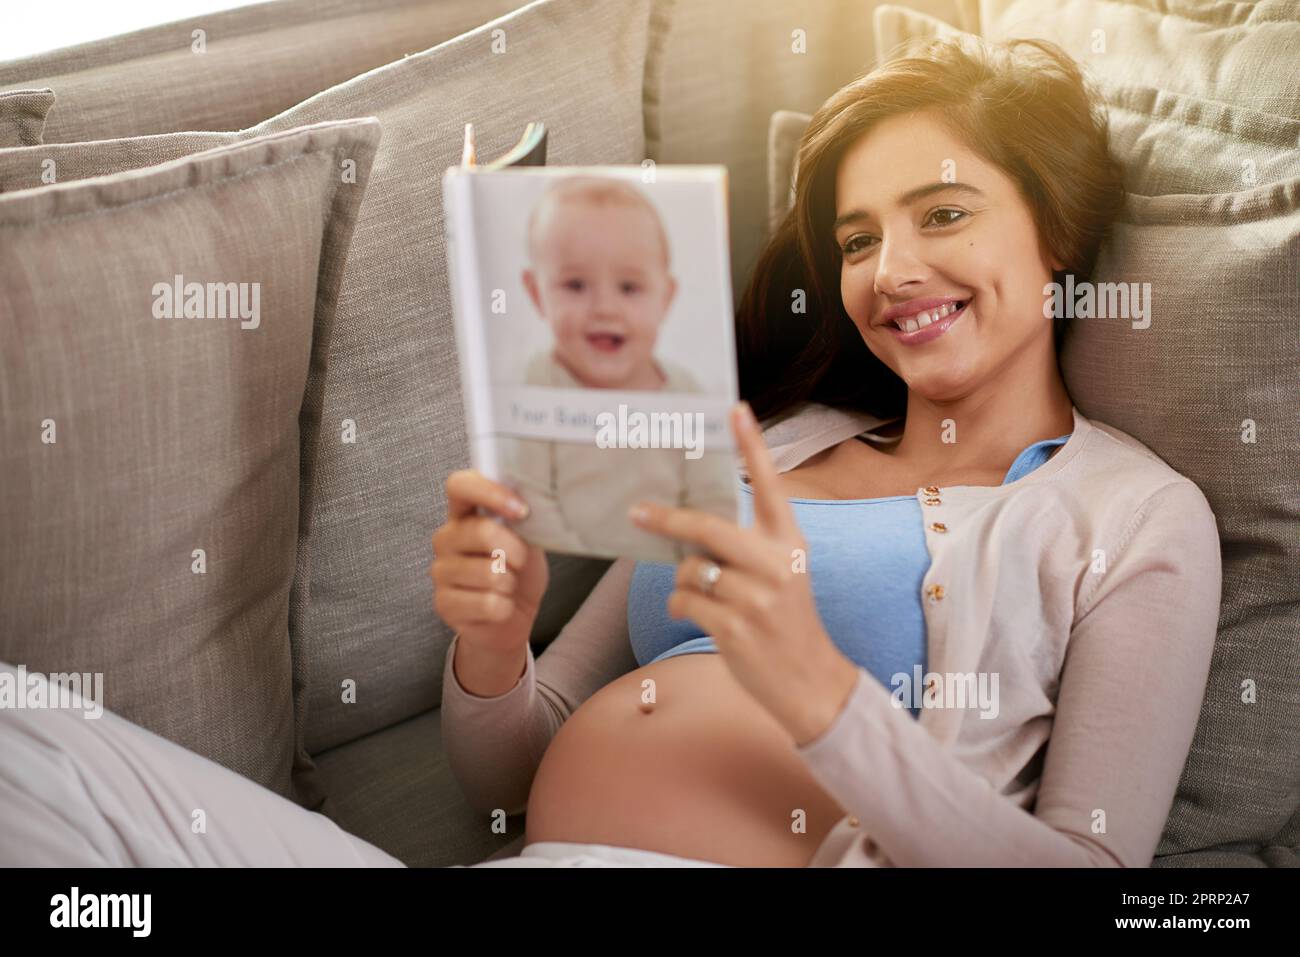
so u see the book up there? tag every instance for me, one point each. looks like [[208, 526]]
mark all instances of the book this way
[[594, 331]]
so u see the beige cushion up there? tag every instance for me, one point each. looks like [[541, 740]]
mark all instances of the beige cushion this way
[[1170, 141], [395, 789], [392, 364], [133, 439], [1223, 340], [783, 135], [898, 31], [22, 116], [1176, 143], [34, 166], [256, 61], [1217, 364], [1202, 99], [1243, 54]]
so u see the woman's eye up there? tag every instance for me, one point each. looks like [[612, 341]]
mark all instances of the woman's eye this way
[[947, 216], [631, 287], [574, 284], [855, 244]]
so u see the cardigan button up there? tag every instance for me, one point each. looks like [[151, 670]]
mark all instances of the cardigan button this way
[[935, 592], [938, 526], [933, 500], [931, 489], [853, 821]]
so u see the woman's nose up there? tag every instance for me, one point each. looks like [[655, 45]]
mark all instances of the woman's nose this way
[[898, 264]]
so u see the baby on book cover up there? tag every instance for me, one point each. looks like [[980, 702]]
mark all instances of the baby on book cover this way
[[605, 319]]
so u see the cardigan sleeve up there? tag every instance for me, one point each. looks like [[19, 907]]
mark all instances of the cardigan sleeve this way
[[1130, 693], [495, 744]]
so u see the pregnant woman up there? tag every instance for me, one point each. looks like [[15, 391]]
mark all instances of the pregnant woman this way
[[958, 623], [982, 639]]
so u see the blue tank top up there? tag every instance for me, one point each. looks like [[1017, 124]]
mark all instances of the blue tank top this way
[[869, 598]]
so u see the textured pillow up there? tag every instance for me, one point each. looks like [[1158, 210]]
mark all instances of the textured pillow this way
[[783, 135], [1243, 54], [160, 429], [393, 421], [22, 116], [897, 30], [1176, 143], [229, 70], [1209, 386], [1170, 141], [1220, 252], [31, 167]]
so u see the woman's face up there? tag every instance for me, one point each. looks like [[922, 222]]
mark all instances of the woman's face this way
[[928, 230]]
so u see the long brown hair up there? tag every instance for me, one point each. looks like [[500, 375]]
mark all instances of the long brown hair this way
[[1022, 105]]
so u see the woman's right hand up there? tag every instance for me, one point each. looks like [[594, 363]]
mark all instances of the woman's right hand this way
[[488, 582]]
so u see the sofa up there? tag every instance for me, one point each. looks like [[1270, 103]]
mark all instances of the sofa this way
[[236, 530]]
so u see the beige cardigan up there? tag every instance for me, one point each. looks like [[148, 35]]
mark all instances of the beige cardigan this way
[[1090, 587]]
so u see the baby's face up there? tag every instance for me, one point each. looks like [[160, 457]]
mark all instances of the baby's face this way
[[600, 282]]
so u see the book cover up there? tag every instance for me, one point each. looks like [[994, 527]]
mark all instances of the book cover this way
[[594, 326]]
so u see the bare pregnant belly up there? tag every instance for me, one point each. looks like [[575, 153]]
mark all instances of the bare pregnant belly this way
[[706, 774]]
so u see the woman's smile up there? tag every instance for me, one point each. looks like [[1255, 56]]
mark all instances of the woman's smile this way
[[927, 325]]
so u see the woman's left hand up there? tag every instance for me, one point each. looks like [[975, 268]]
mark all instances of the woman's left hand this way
[[760, 612]]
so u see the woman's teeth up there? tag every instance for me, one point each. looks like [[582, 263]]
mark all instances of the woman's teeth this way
[[923, 319]]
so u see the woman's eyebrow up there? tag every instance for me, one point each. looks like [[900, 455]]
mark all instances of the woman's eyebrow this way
[[911, 196]]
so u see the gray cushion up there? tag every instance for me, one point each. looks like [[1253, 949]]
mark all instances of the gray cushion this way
[[1176, 143], [394, 789], [392, 364], [1224, 337], [257, 61], [1243, 54], [1233, 856], [35, 166], [22, 116], [134, 437], [1202, 99], [783, 135]]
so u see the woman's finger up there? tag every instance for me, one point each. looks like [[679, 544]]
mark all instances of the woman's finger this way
[[468, 489], [473, 572], [752, 598], [480, 535], [738, 547], [734, 586], [469, 607], [772, 512]]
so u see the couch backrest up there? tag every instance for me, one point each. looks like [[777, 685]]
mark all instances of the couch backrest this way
[[230, 70]]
